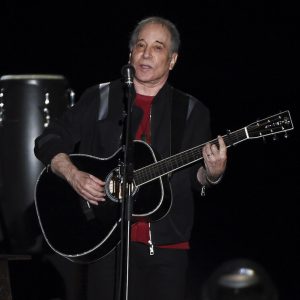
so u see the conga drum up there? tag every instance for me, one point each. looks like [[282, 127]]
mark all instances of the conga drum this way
[[28, 104]]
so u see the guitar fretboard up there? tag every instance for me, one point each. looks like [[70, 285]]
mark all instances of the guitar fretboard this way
[[182, 159]]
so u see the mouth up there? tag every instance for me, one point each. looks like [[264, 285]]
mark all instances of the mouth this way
[[145, 67]]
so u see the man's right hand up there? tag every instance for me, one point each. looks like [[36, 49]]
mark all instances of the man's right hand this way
[[86, 185]]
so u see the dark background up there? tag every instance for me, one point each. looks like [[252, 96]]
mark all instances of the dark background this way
[[242, 60]]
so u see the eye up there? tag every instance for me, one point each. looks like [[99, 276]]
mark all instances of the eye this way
[[158, 47], [140, 45]]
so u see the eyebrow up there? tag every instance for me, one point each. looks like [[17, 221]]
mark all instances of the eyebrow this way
[[155, 41]]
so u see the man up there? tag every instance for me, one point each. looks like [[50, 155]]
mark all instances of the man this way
[[170, 121]]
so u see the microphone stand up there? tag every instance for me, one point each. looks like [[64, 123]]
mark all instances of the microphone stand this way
[[126, 211]]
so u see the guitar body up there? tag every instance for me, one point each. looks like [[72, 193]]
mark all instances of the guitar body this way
[[85, 233]]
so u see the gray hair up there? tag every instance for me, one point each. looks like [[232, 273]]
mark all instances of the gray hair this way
[[175, 36]]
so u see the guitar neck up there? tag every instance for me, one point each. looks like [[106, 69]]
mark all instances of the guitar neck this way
[[185, 158]]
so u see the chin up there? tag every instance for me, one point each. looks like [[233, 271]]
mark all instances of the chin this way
[[141, 76]]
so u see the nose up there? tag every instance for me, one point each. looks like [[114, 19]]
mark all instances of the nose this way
[[147, 52]]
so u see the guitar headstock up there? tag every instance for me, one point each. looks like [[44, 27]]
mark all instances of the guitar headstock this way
[[272, 125]]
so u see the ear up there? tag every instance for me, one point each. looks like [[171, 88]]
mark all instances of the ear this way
[[129, 58], [173, 61]]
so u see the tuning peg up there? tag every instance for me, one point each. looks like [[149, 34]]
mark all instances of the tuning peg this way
[[286, 135]]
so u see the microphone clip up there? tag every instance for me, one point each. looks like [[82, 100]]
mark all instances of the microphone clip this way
[[128, 73]]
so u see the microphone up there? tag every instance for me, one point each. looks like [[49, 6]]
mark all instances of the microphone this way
[[128, 72]]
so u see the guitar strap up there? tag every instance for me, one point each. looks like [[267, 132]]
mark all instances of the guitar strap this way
[[182, 105]]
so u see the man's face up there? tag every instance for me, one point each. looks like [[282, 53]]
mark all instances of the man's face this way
[[151, 55]]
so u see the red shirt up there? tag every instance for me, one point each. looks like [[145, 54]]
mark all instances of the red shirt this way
[[140, 231]]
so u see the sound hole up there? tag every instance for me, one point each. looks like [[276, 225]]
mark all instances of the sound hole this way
[[114, 186]]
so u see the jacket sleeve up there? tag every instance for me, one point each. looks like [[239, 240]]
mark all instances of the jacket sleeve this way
[[198, 133], [63, 134]]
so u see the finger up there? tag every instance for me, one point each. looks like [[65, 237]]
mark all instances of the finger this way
[[221, 149], [94, 186], [92, 202], [214, 149], [97, 180], [88, 197], [91, 197], [222, 146], [207, 150], [90, 190], [221, 141], [96, 193]]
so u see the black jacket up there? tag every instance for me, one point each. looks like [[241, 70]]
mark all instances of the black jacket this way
[[94, 126]]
